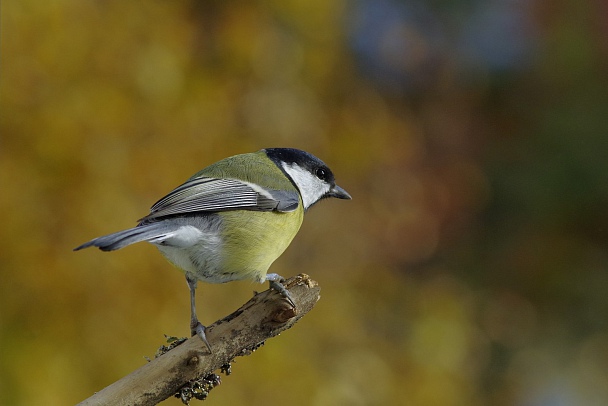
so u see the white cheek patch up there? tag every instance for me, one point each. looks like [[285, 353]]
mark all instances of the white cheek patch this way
[[311, 188]]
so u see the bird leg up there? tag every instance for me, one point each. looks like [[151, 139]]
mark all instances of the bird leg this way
[[276, 283], [196, 328]]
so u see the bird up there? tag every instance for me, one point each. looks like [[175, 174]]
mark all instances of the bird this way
[[231, 220]]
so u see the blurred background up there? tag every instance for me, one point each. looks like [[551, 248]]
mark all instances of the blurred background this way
[[470, 268]]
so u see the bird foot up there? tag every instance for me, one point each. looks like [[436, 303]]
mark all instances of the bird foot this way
[[276, 283], [197, 329]]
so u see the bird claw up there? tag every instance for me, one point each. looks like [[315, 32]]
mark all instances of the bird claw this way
[[199, 330], [276, 283]]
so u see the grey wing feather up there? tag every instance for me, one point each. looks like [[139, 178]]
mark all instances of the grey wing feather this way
[[212, 195]]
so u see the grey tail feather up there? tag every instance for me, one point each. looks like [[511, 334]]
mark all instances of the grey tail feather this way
[[121, 239]]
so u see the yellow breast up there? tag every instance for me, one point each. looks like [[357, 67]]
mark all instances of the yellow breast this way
[[262, 237]]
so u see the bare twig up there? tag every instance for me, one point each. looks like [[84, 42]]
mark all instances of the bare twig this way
[[264, 316]]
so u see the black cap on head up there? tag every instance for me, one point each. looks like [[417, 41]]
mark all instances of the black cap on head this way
[[302, 159]]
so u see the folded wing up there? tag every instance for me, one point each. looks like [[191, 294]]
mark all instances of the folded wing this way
[[206, 194]]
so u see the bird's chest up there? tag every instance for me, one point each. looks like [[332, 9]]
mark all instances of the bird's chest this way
[[236, 253], [249, 250]]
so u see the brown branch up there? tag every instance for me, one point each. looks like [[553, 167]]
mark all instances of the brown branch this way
[[264, 316]]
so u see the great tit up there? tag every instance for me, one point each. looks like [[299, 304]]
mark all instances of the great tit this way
[[233, 219]]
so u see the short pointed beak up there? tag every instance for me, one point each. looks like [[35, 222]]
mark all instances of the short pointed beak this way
[[339, 193]]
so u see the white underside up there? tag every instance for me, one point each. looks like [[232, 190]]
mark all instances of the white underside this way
[[195, 252]]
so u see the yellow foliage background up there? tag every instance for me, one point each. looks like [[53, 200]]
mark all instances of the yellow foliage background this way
[[470, 268]]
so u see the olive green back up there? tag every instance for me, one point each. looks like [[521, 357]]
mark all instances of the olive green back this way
[[254, 167]]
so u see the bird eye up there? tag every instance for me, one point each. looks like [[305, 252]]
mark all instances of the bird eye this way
[[321, 173]]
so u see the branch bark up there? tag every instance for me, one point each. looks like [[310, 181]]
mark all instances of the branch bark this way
[[264, 316]]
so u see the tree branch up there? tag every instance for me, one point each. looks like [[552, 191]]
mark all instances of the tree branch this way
[[264, 316]]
